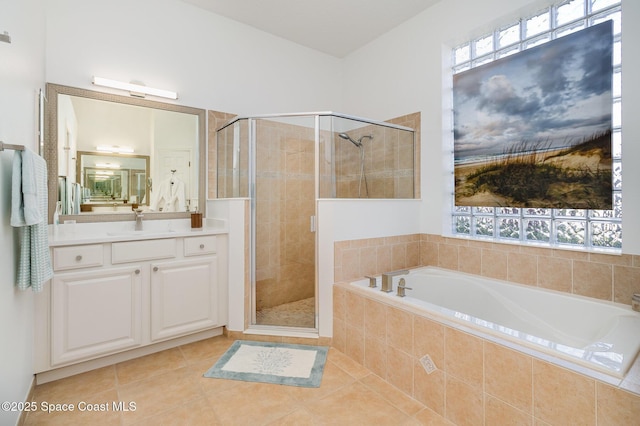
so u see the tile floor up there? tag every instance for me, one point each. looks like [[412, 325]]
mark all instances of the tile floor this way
[[167, 388]]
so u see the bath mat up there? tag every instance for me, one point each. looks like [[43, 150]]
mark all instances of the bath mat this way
[[267, 362]]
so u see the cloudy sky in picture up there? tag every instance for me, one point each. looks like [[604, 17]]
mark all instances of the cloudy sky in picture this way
[[553, 95]]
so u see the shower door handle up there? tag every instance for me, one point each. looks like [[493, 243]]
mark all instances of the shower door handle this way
[[312, 223]]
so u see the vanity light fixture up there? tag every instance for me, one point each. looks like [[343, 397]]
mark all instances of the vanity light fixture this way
[[134, 89], [108, 165], [115, 149]]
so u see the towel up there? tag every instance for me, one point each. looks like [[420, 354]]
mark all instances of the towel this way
[[29, 212]]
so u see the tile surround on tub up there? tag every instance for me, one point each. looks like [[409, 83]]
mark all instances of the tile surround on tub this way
[[602, 276], [469, 385], [472, 366]]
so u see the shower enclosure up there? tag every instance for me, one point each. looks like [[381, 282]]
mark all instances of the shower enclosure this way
[[284, 164]]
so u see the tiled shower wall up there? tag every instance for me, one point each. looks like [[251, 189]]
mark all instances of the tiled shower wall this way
[[215, 119], [479, 381], [391, 162]]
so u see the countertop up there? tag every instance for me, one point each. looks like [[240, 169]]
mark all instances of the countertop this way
[[107, 232]]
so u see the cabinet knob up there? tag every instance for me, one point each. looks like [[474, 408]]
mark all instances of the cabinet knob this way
[[78, 258], [155, 269], [137, 271], [201, 246]]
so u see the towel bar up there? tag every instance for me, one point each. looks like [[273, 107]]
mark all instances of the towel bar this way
[[4, 146]]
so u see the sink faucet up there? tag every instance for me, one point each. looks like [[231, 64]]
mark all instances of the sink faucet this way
[[139, 217], [387, 279]]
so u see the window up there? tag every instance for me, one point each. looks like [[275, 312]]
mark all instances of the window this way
[[592, 229]]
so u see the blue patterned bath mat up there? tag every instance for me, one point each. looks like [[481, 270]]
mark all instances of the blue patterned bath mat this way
[[279, 363]]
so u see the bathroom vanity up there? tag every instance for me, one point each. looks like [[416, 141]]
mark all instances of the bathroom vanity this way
[[118, 293]]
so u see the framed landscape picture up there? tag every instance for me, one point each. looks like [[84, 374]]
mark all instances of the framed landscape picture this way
[[534, 129]]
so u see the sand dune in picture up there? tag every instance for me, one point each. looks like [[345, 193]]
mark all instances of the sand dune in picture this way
[[578, 177]]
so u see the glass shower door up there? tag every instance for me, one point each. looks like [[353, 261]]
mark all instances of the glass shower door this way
[[284, 206]]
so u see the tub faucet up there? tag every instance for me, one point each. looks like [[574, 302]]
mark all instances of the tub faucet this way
[[372, 281], [139, 217], [387, 279], [635, 302], [402, 286]]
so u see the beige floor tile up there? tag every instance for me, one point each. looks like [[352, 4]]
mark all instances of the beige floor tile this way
[[95, 409], [431, 418], [333, 378], [205, 349], [355, 404], [194, 413], [169, 391], [209, 385], [77, 387], [252, 404], [160, 393], [400, 400], [149, 366], [351, 367], [300, 417]]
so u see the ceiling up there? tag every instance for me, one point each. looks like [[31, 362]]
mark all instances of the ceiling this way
[[335, 27]]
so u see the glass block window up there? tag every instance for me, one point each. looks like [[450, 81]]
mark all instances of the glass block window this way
[[590, 229]]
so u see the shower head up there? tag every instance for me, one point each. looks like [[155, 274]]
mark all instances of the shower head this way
[[347, 137]]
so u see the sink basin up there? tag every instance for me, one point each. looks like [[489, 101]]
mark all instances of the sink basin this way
[[139, 233]]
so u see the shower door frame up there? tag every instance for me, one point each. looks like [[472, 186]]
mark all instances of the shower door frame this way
[[253, 219]]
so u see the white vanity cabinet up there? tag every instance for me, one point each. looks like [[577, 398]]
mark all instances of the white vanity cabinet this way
[[95, 312], [112, 297], [183, 297]]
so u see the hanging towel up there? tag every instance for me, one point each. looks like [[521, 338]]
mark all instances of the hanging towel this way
[[29, 213]]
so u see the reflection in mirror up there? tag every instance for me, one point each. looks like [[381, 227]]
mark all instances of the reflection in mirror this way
[[109, 153], [114, 182]]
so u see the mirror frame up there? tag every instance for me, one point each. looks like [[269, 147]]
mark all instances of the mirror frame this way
[[51, 151]]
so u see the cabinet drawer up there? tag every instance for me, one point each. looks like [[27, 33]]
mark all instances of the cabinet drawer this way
[[76, 257], [134, 251], [194, 246]]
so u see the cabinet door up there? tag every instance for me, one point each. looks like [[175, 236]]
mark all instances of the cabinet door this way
[[95, 313], [183, 297]]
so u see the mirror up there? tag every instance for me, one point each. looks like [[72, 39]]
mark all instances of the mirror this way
[[112, 182], [108, 154]]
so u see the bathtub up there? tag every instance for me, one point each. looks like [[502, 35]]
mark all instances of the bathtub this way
[[599, 335]]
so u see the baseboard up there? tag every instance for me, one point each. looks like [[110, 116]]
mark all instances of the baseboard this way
[[32, 389], [83, 367]]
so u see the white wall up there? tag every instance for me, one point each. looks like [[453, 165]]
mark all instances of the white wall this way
[[340, 220], [21, 75], [211, 61], [405, 71]]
